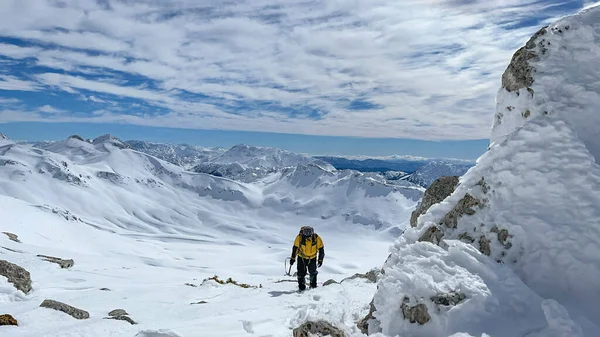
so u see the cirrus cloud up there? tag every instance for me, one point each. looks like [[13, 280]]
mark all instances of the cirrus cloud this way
[[424, 69]]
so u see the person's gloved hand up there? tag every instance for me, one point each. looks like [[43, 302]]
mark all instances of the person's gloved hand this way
[[292, 262], [320, 263]]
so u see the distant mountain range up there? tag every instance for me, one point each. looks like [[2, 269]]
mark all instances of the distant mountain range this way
[[247, 163]]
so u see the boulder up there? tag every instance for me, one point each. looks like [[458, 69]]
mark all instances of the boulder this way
[[416, 313], [16, 275], [7, 319], [61, 262], [317, 328], [67, 309]]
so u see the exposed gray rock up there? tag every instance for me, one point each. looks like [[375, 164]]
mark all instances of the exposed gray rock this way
[[518, 74], [67, 309], [502, 234], [484, 246], [200, 302], [449, 299], [466, 237], [371, 276], [318, 328], [61, 262], [104, 289], [16, 275], [331, 281], [363, 324], [433, 235], [12, 237], [415, 314], [464, 206], [123, 318], [436, 193], [117, 312]]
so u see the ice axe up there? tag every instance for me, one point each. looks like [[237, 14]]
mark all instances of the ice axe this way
[[288, 271]]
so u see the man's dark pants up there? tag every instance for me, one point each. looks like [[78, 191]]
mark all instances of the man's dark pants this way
[[303, 264]]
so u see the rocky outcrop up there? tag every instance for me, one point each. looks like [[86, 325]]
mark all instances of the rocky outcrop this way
[[12, 237], [449, 299], [61, 262], [67, 309], [371, 276], [464, 206], [16, 275], [7, 319], [121, 315], [518, 74], [433, 234], [117, 312], [436, 193], [317, 328], [363, 324], [416, 313]]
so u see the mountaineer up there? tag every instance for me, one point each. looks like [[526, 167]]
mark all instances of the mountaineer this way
[[306, 245]]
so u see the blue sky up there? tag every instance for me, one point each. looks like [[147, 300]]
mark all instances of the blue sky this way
[[371, 77]]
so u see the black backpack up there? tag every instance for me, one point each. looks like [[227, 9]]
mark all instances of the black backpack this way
[[304, 237]]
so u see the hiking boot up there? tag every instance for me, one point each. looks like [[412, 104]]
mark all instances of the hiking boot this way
[[313, 281], [301, 283]]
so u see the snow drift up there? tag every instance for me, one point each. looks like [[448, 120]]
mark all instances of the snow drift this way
[[515, 249]]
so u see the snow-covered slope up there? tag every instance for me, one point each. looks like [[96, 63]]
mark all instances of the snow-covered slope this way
[[515, 249], [184, 155], [141, 228], [431, 171]]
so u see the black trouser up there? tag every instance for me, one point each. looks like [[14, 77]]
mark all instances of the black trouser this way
[[303, 264]]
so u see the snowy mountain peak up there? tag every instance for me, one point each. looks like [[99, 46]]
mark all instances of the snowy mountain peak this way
[[3, 136], [110, 139]]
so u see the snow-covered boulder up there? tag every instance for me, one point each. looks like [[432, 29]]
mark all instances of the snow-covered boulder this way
[[518, 241]]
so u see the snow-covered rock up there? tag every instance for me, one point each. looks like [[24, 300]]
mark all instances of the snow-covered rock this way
[[431, 171], [519, 237], [555, 74]]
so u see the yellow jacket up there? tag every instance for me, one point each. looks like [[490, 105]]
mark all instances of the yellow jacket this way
[[309, 248]]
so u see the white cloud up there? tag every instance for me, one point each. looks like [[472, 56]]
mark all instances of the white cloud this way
[[431, 66], [50, 109], [8, 82]]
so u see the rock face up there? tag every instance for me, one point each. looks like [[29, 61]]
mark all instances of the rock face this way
[[7, 319], [464, 206], [436, 193], [61, 262], [67, 309], [317, 328], [518, 74], [16, 275]]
